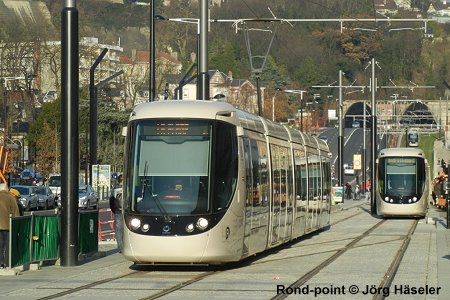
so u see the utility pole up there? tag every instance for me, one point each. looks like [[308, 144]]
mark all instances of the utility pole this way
[[69, 142], [373, 203], [341, 123], [151, 78], [203, 76], [341, 135]]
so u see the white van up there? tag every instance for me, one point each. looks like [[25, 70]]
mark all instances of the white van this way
[[54, 183]]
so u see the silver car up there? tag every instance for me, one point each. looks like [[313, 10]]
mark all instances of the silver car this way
[[87, 197], [46, 197], [28, 196]]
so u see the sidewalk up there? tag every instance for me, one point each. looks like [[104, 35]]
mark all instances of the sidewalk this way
[[440, 152]]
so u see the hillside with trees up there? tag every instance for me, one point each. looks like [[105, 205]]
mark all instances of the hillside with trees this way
[[303, 54]]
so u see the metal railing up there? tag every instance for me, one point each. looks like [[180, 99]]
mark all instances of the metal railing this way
[[36, 237]]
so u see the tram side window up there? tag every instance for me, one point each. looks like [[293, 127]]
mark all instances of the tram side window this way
[[263, 173], [313, 176], [248, 173], [301, 176], [381, 173], [259, 173], [326, 175], [276, 173], [284, 188], [421, 175], [226, 162]]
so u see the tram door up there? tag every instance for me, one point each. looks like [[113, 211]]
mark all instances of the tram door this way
[[257, 191], [326, 192], [313, 191], [281, 202], [300, 192]]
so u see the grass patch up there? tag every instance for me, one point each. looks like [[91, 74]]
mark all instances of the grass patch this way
[[426, 143]]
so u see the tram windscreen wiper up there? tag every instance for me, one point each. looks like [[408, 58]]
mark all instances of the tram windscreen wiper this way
[[147, 184]]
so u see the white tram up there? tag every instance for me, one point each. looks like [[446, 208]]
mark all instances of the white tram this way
[[413, 137], [403, 182], [205, 183]]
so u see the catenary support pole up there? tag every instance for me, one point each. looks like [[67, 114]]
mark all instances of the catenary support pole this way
[[373, 152], [203, 77], [69, 142], [341, 134], [151, 79]]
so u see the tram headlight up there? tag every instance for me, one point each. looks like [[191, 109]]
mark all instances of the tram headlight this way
[[135, 223], [190, 227], [202, 223], [386, 199], [414, 199], [409, 201], [392, 200], [145, 228]]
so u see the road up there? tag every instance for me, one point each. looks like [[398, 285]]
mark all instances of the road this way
[[361, 256], [353, 144]]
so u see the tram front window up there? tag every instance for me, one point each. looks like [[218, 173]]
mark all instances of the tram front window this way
[[171, 167], [401, 177]]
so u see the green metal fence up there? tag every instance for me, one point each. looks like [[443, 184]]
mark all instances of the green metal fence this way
[[88, 231], [36, 237], [45, 239], [19, 241]]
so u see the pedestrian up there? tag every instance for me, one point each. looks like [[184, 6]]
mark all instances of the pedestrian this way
[[115, 203], [368, 185], [438, 190], [8, 206], [16, 195], [348, 191], [357, 192]]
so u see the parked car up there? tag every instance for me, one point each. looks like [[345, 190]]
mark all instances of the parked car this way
[[28, 196], [46, 197], [324, 138], [87, 197], [54, 183]]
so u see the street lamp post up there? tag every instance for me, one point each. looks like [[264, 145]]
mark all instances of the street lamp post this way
[[152, 53], [301, 92], [273, 103]]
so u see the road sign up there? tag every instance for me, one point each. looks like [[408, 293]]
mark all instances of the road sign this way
[[357, 161]]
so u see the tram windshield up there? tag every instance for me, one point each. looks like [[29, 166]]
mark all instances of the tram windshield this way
[[401, 176], [171, 167], [413, 139]]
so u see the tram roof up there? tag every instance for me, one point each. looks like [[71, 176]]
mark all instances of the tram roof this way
[[201, 109], [196, 109], [402, 152]]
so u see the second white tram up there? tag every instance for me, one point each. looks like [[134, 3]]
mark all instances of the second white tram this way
[[205, 183], [403, 182]]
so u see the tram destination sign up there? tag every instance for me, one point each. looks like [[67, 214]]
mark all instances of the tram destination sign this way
[[193, 128]]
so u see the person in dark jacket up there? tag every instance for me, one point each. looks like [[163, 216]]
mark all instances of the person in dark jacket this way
[[348, 191], [115, 203]]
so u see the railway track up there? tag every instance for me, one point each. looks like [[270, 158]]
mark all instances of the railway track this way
[[314, 255], [380, 291]]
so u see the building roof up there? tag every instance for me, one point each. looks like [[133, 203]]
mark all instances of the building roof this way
[[144, 56], [125, 60]]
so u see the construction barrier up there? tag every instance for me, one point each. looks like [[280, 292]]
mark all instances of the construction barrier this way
[[106, 225]]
